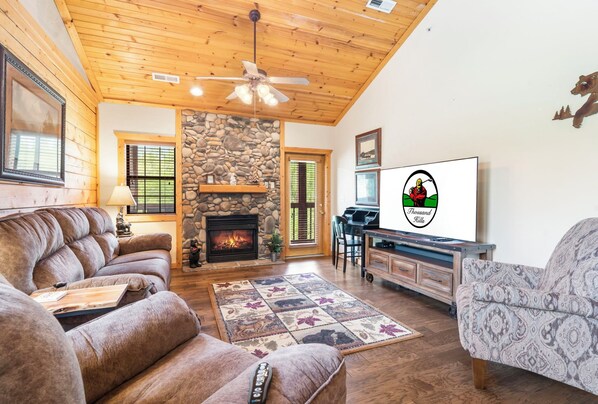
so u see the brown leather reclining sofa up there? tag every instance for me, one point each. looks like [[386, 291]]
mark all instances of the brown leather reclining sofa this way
[[151, 351], [78, 246]]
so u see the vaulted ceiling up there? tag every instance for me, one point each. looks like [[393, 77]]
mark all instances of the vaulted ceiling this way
[[339, 45]]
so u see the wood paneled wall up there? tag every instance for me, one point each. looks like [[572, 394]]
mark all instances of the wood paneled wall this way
[[20, 34]]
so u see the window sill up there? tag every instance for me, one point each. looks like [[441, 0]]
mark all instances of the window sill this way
[[143, 218]]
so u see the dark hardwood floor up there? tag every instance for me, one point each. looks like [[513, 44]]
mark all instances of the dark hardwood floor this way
[[430, 369]]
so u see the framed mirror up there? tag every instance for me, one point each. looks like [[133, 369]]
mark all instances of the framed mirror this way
[[32, 125]]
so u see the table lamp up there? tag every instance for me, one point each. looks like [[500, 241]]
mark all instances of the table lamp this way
[[121, 197]]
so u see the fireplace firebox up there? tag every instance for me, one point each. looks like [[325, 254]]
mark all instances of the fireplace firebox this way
[[231, 238]]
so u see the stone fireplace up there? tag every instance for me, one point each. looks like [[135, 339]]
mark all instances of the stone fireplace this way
[[220, 145]]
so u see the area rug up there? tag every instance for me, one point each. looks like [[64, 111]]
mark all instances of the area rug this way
[[263, 315]]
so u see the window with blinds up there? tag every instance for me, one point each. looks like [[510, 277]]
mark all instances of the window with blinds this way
[[151, 178], [303, 194]]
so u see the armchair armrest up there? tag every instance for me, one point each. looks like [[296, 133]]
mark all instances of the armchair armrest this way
[[114, 348], [522, 276], [301, 374], [535, 299], [145, 242]]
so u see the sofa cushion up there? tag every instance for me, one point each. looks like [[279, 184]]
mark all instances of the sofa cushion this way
[[109, 245], [154, 266], [62, 266], [73, 222], [100, 221], [38, 364], [24, 240], [175, 378], [140, 256], [90, 255]]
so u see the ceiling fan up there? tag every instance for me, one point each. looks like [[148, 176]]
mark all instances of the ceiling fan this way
[[258, 81]]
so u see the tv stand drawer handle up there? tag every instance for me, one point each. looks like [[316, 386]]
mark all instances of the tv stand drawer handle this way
[[435, 280], [403, 269]]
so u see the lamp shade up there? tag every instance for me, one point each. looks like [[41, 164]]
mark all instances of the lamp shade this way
[[121, 196]]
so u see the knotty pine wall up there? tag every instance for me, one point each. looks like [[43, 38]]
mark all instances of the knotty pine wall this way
[[22, 36]]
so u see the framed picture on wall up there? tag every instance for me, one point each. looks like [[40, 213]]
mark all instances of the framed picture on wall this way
[[32, 125], [367, 187], [368, 149]]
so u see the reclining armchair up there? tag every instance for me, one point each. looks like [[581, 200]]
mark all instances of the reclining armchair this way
[[541, 320], [151, 351]]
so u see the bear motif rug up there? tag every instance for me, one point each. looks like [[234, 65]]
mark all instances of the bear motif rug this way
[[263, 315]]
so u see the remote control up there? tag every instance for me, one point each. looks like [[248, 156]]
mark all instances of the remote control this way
[[260, 383]]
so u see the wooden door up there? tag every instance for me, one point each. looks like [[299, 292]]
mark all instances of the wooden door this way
[[305, 204]]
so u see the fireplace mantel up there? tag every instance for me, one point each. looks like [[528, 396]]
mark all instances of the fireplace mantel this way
[[232, 189]]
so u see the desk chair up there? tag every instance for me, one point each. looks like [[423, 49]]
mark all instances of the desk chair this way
[[347, 241]]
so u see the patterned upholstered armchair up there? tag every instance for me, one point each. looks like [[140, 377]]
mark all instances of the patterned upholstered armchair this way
[[541, 320]]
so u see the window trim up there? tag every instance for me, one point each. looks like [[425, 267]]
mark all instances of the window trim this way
[[124, 139]]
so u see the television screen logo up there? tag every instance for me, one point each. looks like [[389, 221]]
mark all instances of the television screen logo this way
[[420, 198]]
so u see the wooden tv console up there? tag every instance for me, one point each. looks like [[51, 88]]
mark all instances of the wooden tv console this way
[[421, 263]]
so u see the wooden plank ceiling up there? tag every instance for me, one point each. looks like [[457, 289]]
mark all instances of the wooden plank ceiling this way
[[338, 45]]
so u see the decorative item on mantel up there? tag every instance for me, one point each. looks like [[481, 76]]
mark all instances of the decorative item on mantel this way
[[233, 179], [121, 197], [586, 85], [254, 176]]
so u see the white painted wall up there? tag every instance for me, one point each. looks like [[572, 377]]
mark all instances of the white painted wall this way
[[138, 119], [306, 135], [482, 77], [47, 16]]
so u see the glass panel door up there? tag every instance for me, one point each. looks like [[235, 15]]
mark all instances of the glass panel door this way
[[305, 204]]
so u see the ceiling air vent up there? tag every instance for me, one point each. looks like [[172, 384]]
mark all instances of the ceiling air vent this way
[[167, 78], [385, 6]]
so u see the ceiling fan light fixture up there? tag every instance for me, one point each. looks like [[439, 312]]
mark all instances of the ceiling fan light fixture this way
[[263, 90], [242, 90], [196, 91], [272, 101], [247, 98]]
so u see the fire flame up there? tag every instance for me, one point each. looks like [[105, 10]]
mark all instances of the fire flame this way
[[231, 240]]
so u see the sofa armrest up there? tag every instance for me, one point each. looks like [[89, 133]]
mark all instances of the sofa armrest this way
[[307, 373], [114, 348], [475, 270], [145, 242], [535, 299]]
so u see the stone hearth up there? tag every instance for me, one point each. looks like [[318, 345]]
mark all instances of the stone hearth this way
[[221, 145]]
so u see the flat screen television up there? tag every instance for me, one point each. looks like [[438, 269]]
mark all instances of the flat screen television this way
[[435, 199]]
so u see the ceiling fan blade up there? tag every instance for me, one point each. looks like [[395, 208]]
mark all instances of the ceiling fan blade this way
[[251, 68], [288, 80], [279, 96], [231, 96], [221, 78]]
